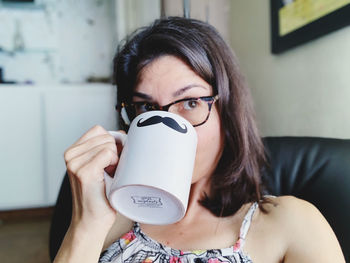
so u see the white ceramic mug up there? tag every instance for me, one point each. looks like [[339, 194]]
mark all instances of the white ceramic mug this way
[[152, 181]]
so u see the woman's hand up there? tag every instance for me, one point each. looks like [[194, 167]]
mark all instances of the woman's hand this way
[[86, 162], [92, 216]]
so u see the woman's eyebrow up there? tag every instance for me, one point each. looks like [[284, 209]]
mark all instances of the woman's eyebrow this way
[[142, 95], [186, 88], [175, 94]]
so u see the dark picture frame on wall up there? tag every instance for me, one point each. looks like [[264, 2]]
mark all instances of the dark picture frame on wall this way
[[288, 32]]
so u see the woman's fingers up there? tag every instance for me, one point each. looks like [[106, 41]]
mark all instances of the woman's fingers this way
[[93, 132], [91, 139], [78, 149], [76, 162], [96, 165]]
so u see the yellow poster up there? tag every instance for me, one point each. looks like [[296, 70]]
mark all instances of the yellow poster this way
[[298, 13]]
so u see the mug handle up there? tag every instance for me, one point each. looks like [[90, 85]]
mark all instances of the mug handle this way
[[119, 137]]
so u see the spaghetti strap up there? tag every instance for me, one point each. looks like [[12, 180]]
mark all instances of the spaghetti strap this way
[[245, 227]]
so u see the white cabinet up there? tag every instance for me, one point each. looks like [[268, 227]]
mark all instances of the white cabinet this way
[[21, 148], [37, 125]]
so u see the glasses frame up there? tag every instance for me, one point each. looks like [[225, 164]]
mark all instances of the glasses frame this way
[[210, 100]]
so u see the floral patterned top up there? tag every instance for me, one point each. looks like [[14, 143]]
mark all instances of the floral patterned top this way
[[136, 246]]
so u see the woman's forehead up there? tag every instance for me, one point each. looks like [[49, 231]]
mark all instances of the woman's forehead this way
[[168, 72]]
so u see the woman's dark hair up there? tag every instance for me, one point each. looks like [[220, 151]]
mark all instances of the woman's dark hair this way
[[237, 178]]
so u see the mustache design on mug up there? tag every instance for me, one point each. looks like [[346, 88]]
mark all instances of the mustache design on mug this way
[[170, 122]]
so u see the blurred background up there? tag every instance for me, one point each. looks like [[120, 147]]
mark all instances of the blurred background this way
[[55, 70]]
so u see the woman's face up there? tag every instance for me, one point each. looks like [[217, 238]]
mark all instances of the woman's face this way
[[167, 79]]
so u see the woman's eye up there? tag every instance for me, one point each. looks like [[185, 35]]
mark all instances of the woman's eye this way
[[140, 108], [190, 104], [144, 107]]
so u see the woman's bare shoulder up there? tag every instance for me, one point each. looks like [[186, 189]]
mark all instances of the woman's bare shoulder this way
[[283, 213], [307, 234], [283, 205], [291, 213]]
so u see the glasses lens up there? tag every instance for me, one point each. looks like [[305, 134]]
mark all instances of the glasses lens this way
[[142, 107], [193, 110], [136, 109]]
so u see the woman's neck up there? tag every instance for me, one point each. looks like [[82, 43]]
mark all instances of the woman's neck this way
[[194, 208]]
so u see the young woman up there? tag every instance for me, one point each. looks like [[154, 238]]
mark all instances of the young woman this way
[[185, 63]]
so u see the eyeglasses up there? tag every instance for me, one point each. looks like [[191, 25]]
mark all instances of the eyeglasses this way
[[195, 110]]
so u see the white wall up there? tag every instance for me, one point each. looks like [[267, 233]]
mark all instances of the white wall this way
[[132, 14], [62, 41], [304, 91], [216, 13]]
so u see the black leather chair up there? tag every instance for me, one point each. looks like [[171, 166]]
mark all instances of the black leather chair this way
[[311, 168]]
